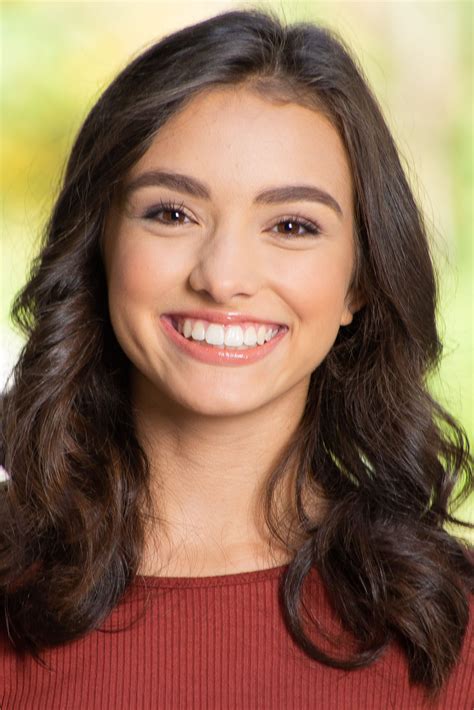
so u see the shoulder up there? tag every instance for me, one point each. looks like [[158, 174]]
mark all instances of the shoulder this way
[[389, 676], [9, 658], [458, 691]]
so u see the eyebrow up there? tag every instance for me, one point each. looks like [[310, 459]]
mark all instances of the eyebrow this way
[[191, 186]]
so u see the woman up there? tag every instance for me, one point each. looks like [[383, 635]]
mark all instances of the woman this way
[[220, 442]]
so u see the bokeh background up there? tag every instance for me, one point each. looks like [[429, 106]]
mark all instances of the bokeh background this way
[[57, 57]]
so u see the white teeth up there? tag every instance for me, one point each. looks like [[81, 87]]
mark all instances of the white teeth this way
[[187, 329], [261, 333], [230, 336], [214, 334], [199, 331], [233, 336], [250, 336]]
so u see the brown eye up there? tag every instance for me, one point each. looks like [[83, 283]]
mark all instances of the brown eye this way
[[293, 225], [172, 214]]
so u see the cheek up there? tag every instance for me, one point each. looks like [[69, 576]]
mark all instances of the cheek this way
[[137, 274], [316, 287]]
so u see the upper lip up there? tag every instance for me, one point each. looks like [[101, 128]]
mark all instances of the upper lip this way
[[225, 318]]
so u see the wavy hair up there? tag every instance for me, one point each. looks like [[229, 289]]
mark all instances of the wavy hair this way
[[384, 454]]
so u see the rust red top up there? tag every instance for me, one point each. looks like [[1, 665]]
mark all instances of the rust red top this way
[[214, 643]]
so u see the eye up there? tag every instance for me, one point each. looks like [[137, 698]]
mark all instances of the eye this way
[[174, 216], [293, 223], [172, 211]]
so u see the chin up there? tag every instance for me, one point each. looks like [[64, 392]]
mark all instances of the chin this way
[[219, 406]]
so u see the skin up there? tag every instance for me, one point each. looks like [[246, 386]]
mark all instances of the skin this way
[[211, 432]]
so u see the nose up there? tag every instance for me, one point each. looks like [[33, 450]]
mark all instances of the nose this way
[[226, 265]]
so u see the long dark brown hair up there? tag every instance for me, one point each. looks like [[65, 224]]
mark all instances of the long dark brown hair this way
[[383, 453]]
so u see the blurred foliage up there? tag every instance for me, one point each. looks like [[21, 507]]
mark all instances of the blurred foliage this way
[[57, 57]]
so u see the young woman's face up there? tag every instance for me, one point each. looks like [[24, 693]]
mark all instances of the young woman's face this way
[[220, 249]]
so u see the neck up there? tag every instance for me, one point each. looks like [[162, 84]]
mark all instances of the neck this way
[[208, 475]]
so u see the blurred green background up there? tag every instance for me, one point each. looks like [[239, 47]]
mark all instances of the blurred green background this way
[[57, 57]]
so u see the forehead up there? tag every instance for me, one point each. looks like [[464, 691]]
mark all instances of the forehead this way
[[236, 139]]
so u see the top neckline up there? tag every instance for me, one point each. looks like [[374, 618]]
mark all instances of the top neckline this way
[[212, 581]]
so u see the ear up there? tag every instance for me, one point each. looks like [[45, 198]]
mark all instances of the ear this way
[[354, 302]]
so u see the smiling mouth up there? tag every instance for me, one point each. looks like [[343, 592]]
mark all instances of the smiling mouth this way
[[221, 354], [231, 337]]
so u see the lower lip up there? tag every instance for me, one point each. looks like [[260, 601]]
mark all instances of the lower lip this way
[[217, 355]]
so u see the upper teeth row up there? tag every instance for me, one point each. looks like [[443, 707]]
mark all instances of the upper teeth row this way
[[232, 335]]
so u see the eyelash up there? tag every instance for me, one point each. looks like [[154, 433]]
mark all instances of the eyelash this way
[[311, 228]]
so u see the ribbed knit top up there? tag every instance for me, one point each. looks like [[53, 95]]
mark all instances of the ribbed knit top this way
[[214, 642]]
